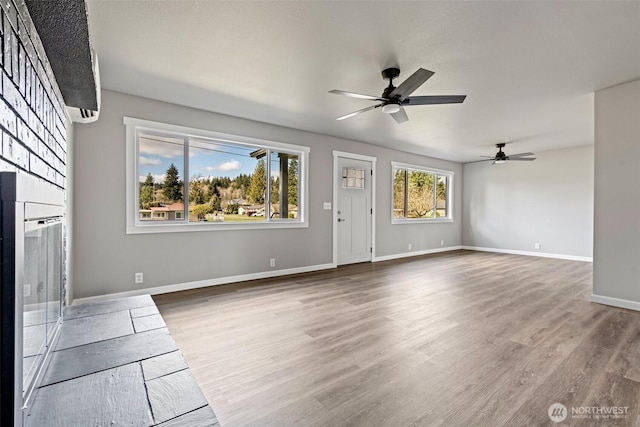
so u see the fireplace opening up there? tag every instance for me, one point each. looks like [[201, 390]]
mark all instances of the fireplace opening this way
[[42, 294], [32, 287]]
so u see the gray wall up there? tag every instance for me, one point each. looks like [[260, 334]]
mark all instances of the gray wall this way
[[616, 265], [106, 259], [514, 205]]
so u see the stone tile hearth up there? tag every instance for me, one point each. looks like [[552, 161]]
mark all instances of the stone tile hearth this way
[[116, 364]]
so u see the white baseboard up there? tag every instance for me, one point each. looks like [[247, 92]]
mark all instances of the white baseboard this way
[[267, 274], [416, 253], [204, 283], [616, 302], [527, 253]]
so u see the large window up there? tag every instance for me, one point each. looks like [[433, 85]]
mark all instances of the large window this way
[[183, 179], [420, 194]]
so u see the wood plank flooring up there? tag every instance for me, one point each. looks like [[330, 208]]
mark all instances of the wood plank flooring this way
[[459, 339]]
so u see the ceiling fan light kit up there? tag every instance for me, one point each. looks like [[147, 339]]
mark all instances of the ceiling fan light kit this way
[[390, 108], [393, 98]]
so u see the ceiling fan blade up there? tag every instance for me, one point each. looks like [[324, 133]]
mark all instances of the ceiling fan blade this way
[[521, 154], [400, 116], [357, 95], [414, 81], [522, 159], [427, 100], [483, 160], [358, 112], [489, 157]]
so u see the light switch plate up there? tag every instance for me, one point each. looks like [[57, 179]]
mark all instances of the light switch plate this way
[[327, 205]]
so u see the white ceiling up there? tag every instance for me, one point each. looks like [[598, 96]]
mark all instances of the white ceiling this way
[[529, 69]]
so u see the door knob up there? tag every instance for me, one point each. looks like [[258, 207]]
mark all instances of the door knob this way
[[340, 219]]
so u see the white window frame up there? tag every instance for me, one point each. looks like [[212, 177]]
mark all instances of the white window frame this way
[[450, 180], [134, 225]]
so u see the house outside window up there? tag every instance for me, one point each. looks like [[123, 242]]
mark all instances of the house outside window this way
[[234, 182], [420, 194]]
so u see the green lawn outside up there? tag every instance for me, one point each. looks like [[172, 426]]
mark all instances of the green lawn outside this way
[[242, 218]]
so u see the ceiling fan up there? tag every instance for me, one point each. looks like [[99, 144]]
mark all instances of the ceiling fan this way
[[501, 156], [393, 99]]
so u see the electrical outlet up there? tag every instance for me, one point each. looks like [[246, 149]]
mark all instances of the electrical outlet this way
[[26, 291], [537, 246], [441, 242], [139, 278], [272, 262], [409, 246]]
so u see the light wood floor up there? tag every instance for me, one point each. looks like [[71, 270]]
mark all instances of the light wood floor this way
[[461, 338]]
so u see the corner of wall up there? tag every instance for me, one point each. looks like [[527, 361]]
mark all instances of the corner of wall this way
[[69, 224], [616, 198]]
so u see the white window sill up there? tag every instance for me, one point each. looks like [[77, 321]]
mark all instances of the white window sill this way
[[421, 221], [205, 226]]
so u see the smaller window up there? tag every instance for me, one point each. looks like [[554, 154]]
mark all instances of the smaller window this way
[[352, 178], [420, 194], [158, 216]]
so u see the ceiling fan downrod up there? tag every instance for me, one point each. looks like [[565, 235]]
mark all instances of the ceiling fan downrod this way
[[389, 74]]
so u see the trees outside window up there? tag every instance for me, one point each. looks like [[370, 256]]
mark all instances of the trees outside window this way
[[258, 185], [147, 192], [172, 187]]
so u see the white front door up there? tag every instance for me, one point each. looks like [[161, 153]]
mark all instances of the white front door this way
[[354, 210]]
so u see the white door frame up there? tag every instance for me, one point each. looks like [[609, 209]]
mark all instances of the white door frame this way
[[343, 154]]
